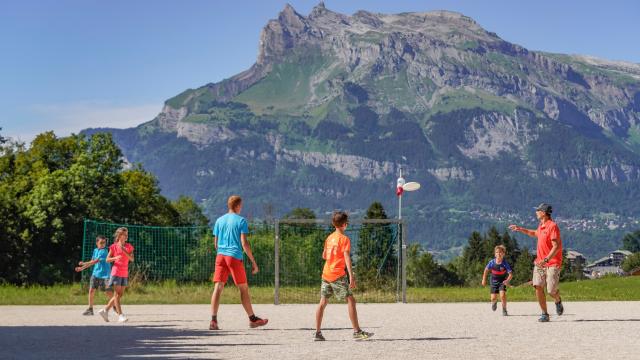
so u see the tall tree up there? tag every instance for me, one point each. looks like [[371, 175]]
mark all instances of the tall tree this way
[[523, 268]]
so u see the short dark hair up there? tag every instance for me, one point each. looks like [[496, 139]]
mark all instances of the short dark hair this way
[[101, 237], [339, 218]]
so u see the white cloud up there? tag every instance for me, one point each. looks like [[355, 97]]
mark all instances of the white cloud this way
[[65, 119]]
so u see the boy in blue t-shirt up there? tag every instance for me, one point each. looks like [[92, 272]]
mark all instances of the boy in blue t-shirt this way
[[100, 274], [501, 274]]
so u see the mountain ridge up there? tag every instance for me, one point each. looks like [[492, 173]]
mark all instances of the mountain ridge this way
[[335, 104]]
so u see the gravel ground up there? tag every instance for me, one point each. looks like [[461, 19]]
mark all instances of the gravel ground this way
[[587, 330]]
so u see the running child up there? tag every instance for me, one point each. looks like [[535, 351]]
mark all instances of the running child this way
[[501, 274], [230, 240], [337, 247], [100, 275], [120, 253]]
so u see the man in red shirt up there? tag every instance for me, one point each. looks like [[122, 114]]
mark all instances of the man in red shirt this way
[[548, 259]]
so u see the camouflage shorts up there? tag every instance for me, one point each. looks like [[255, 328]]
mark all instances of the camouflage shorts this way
[[339, 287]]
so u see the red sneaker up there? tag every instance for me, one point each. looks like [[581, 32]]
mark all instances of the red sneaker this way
[[259, 322], [213, 325]]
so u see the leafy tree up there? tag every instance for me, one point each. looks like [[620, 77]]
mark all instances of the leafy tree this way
[[632, 262], [301, 213], [189, 213], [423, 271], [631, 241], [47, 190]]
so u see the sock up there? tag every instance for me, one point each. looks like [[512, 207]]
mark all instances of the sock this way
[[253, 317], [214, 318]]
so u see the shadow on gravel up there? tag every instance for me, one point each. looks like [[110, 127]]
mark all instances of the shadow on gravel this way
[[314, 329], [424, 339], [115, 341], [597, 320]]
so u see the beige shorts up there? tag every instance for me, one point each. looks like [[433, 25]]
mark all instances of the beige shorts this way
[[546, 275]]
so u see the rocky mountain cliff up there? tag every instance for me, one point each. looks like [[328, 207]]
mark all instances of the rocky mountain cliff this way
[[335, 104]]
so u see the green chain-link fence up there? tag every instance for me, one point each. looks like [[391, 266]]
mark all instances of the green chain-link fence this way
[[289, 255]]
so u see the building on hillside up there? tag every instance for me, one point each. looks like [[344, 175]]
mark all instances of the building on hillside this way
[[576, 259], [607, 265]]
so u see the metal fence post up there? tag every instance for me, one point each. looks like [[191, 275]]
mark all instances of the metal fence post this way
[[399, 266], [404, 264], [276, 247]]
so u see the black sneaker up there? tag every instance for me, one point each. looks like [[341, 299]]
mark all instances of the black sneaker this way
[[318, 336], [88, 312], [504, 312], [559, 308], [494, 306], [544, 318]]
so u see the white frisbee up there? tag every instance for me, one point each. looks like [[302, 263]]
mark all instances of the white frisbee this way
[[411, 186]]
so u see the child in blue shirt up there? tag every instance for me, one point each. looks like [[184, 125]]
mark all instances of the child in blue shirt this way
[[501, 274], [100, 274]]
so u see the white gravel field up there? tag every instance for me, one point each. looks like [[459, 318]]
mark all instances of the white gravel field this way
[[587, 330]]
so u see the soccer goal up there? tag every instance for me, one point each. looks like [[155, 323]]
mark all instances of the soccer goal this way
[[288, 252], [377, 253]]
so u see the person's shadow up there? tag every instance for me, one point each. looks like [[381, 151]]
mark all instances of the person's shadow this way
[[111, 341]]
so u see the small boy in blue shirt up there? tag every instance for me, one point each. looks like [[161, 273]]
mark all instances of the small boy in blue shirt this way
[[501, 274], [101, 272]]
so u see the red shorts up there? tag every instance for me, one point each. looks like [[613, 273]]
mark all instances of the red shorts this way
[[228, 264]]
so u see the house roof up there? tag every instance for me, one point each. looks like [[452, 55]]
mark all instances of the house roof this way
[[625, 252], [572, 254]]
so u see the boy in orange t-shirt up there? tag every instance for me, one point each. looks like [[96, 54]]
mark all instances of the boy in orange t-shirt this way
[[334, 279]]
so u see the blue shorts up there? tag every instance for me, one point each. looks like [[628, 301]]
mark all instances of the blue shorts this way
[[99, 283], [118, 281], [496, 287]]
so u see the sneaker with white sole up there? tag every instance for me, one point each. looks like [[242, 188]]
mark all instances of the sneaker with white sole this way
[[122, 318], [105, 314]]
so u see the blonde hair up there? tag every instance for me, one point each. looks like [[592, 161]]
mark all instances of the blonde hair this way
[[501, 248], [119, 232], [233, 202]]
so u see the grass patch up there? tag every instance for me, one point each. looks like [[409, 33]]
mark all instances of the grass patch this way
[[607, 289], [462, 99], [286, 88]]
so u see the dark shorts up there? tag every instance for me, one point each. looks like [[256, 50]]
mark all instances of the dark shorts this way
[[496, 287], [226, 265], [339, 288], [118, 281], [99, 283]]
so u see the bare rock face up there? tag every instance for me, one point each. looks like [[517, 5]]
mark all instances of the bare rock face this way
[[204, 134], [452, 173], [169, 118], [355, 167]]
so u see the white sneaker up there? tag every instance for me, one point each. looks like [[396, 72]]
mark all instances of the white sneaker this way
[[122, 318], [105, 314]]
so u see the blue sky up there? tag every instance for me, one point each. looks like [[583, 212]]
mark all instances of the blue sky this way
[[67, 65]]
